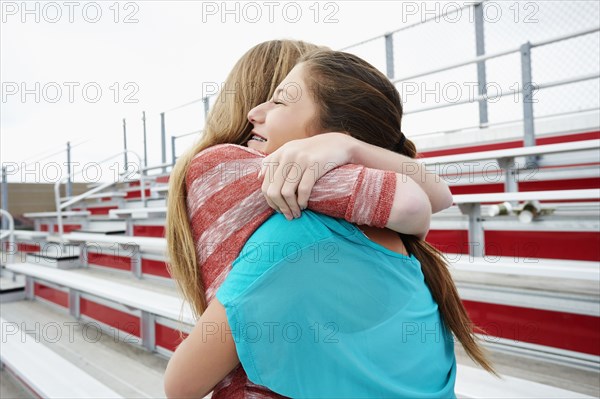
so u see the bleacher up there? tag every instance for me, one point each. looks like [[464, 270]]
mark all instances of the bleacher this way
[[90, 310], [535, 307]]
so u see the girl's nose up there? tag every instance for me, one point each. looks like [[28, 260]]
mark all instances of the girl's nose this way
[[256, 114]]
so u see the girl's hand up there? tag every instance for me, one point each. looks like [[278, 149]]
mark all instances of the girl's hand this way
[[292, 170]]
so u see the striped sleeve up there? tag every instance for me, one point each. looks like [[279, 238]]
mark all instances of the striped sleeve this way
[[226, 204]]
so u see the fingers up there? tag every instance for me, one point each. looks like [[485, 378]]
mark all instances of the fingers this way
[[280, 185], [304, 189]]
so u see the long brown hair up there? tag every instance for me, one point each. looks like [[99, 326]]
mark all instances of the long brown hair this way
[[252, 81], [354, 97]]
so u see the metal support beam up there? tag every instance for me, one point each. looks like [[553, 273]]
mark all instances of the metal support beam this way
[[4, 197], [29, 294], [69, 178], [173, 156], [163, 143], [148, 333], [83, 255], [124, 145], [389, 55], [74, 303], [511, 183], [205, 101], [527, 98], [136, 260], [476, 234], [481, 75], [145, 143]]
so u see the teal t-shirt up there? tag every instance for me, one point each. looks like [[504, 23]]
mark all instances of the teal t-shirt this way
[[317, 310]]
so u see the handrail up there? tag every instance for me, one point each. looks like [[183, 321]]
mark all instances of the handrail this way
[[503, 93], [174, 140], [459, 64], [9, 233], [497, 54], [11, 225], [61, 205], [525, 89], [159, 166]]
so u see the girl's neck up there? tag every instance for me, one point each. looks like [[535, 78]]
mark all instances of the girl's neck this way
[[384, 237]]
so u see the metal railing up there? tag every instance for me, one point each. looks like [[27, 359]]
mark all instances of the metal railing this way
[[62, 205], [9, 233], [174, 139], [526, 89]]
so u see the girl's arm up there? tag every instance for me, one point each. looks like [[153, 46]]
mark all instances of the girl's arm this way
[[226, 204], [436, 188], [306, 160], [204, 358]]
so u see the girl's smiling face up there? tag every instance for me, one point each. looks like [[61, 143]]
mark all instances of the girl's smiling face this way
[[290, 115]]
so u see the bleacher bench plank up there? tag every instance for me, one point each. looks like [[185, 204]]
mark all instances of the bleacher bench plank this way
[[27, 234], [472, 382], [46, 372], [554, 268], [34, 215], [550, 195], [137, 213], [150, 301], [149, 244], [515, 152]]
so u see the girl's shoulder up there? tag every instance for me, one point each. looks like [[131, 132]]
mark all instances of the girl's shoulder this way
[[225, 152], [210, 159]]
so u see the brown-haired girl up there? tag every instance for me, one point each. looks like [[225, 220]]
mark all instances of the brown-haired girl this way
[[395, 202]]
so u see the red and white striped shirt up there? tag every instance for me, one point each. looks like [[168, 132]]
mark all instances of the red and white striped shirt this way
[[226, 205]]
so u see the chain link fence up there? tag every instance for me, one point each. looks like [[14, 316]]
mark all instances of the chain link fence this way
[[450, 38], [454, 35]]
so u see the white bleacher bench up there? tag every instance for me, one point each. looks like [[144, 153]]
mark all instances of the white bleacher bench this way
[[46, 372], [470, 383], [515, 152], [150, 303], [550, 195], [474, 382], [146, 244], [137, 246], [34, 215], [137, 213], [506, 157], [98, 195], [551, 268], [106, 195], [470, 204], [130, 214], [161, 189], [27, 234]]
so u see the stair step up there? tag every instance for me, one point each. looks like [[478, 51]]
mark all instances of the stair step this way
[[12, 287], [103, 232], [58, 262], [127, 370]]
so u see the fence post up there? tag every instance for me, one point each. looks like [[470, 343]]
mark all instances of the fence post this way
[[527, 98], [205, 101], [389, 55], [145, 144], [173, 159], [4, 197], [163, 139], [481, 75], [125, 145], [69, 180]]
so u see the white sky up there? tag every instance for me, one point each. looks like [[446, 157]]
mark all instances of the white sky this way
[[175, 47]]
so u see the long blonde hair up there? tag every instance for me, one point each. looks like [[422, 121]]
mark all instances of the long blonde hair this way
[[252, 81]]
